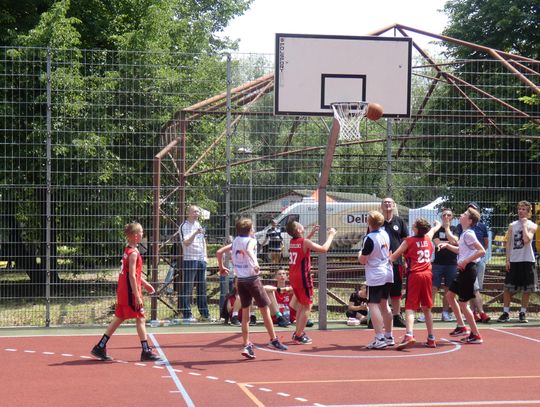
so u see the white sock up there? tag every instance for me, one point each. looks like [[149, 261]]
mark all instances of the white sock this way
[[523, 309], [506, 309], [235, 314]]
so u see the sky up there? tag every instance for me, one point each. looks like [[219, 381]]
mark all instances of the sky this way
[[256, 29]]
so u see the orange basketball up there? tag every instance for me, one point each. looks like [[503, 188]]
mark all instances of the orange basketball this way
[[374, 111]]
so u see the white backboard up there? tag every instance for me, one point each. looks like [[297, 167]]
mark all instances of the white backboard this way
[[313, 71]]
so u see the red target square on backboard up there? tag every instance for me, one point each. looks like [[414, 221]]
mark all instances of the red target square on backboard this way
[[313, 71]]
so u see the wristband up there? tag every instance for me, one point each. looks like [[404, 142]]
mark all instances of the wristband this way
[[278, 290]]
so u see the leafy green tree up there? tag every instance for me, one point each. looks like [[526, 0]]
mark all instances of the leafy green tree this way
[[509, 25], [95, 170]]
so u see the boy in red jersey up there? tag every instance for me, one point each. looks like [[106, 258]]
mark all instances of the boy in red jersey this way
[[129, 296], [300, 273], [283, 302], [417, 251]]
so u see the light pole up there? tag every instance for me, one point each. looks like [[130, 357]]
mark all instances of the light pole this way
[[248, 152]]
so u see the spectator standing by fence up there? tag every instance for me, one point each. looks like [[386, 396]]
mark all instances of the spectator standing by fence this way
[[520, 267], [274, 240], [445, 261], [192, 237]]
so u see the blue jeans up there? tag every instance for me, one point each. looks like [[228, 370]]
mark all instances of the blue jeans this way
[[194, 273], [225, 287]]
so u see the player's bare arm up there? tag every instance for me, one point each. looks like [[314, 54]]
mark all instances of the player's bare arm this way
[[219, 256], [308, 244]]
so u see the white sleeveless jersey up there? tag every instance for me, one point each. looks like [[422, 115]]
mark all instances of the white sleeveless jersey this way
[[519, 251], [378, 268], [243, 264]]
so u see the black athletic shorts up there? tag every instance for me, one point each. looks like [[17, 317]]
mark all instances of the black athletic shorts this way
[[463, 284]]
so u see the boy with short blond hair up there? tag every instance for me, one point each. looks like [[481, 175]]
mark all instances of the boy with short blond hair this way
[[375, 256], [129, 299]]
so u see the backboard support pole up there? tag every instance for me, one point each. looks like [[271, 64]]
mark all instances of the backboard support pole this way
[[323, 257]]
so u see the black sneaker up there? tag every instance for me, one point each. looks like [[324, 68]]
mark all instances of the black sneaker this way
[[235, 321], [100, 353], [504, 317], [247, 352], [282, 321], [302, 339], [277, 345], [523, 318], [149, 356], [252, 320], [399, 322]]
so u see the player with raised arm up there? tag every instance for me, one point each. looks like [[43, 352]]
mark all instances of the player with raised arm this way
[[300, 272], [417, 251]]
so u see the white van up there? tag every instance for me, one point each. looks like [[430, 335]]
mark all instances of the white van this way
[[348, 218]]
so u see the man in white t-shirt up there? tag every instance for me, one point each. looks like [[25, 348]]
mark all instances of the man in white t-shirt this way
[[194, 265]]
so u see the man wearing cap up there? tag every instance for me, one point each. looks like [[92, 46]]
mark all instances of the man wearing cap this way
[[481, 232], [275, 242]]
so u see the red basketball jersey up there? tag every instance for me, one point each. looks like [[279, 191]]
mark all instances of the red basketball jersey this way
[[418, 254], [124, 293]]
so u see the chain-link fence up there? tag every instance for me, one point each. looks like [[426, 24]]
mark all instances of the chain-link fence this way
[[92, 140]]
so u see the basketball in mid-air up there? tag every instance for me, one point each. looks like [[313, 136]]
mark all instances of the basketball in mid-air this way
[[374, 111]]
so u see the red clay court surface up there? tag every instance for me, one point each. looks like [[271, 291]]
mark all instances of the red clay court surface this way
[[206, 369]]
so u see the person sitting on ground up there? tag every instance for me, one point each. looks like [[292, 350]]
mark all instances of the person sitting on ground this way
[[281, 298], [231, 307], [357, 310]]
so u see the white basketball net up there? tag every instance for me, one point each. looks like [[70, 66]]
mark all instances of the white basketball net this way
[[349, 115]]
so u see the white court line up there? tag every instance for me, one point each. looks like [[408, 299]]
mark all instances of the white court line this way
[[376, 354], [443, 403], [174, 377], [513, 334]]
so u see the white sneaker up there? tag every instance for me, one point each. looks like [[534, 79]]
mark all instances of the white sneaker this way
[[421, 318], [377, 344], [447, 317], [353, 322], [389, 341]]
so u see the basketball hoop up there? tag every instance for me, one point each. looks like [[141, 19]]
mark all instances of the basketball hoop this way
[[349, 115]]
